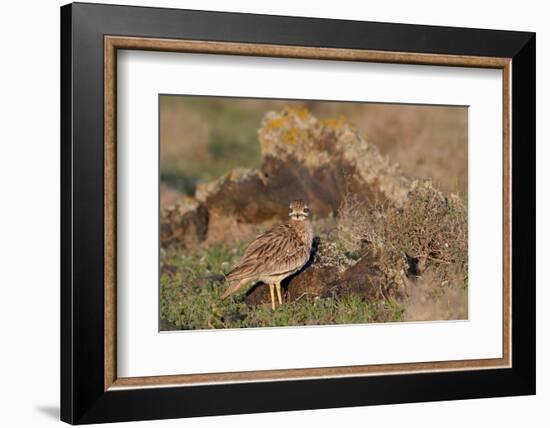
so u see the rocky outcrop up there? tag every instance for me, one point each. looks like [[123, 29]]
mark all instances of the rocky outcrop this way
[[302, 156], [185, 222]]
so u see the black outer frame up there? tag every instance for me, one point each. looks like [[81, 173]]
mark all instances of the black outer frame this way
[[83, 399]]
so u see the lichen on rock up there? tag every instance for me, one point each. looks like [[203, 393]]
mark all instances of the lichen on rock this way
[[319, 160], [333, 144]]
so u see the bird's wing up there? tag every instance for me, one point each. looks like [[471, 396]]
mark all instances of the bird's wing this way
[[275, 252]]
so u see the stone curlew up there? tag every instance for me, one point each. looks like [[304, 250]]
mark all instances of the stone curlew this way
[[275, 254]]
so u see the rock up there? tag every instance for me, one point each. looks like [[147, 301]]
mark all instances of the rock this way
[[169, 270], [332, 157], [324, 265], [185, 222], [308, 284], [378, 274], [309, 158], [241, 194], [168, 195]]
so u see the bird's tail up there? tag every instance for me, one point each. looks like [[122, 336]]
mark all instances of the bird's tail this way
[[233, 288]]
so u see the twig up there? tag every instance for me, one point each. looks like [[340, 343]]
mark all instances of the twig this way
[[439, 260], [435, 259], [305, 294], [382, 293]]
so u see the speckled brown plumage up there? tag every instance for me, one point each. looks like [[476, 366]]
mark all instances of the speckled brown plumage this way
[[275, 254]]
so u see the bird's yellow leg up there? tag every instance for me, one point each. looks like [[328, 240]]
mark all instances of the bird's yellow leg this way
[[272, 293], [279, 297]]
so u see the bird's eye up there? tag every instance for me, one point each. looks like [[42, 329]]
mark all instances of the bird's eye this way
[[306, 209]]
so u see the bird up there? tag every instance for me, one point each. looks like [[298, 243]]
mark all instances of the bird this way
[[275, 254]]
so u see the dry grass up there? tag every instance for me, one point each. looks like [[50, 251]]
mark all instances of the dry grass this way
[[430, 232], [430, 227], [359, 223]]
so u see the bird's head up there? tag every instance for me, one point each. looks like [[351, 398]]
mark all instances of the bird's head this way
[[298, 210]]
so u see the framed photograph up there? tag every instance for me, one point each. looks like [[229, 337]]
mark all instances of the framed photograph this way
[[267, 213]]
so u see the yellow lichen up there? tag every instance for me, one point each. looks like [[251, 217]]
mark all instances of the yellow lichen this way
[[335, 123], [299, 111], [293, 135], [276, 123]]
